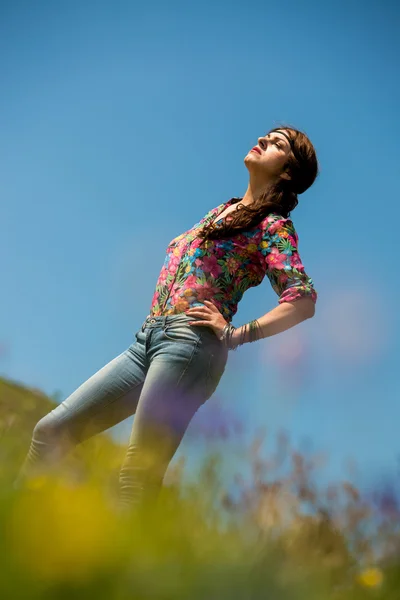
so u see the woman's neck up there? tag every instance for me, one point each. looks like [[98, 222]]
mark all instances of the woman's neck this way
[[254, 190]]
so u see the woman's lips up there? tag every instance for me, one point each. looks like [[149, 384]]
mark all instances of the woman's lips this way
[[255, 150]]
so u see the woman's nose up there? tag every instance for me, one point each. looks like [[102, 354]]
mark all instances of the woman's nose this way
[[262, 142]]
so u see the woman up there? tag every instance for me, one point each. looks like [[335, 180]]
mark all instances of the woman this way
[[181, 350]]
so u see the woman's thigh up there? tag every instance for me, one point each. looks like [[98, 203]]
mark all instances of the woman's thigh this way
[[106, 398], [185, 367]]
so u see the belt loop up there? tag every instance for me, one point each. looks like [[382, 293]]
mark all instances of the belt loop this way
[[144, 323]]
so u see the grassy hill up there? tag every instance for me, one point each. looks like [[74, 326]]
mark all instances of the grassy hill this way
[[21, 406], [20, 409], [62, 538]]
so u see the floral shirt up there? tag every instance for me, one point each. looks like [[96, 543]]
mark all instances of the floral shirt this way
[[222, 270]]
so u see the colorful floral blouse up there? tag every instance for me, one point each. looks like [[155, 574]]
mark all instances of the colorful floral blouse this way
[[222, 270]]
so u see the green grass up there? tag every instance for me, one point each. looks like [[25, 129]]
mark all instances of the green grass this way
[[281, 538]]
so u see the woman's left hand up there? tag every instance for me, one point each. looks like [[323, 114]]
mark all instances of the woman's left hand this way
[[212, 317]]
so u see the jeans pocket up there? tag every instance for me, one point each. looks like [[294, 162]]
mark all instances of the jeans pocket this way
[[180, 332]]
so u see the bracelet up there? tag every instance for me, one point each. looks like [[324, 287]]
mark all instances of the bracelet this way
[[226, 335], [255, 333]]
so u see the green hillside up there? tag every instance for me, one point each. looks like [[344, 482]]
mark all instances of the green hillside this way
[[63, 537], [20, 409], [20, 406]]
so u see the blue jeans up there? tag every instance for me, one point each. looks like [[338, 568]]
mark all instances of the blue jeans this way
[[162, 378]]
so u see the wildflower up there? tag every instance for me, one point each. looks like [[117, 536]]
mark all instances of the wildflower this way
[[371, 577], [63, 532], [37, 482]]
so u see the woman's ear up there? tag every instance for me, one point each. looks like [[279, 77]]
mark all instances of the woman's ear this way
[[286, 175]]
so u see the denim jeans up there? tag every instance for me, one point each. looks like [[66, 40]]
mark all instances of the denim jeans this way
[[162, 378]]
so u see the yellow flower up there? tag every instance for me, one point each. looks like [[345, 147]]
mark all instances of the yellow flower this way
[[251, 248], [264, 244], [63, 531], [371, 577], [36, 482]]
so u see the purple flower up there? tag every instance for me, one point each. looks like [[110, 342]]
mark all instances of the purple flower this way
[[214, 421]]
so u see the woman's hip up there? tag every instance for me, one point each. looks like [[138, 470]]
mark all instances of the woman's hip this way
[[191, 357]]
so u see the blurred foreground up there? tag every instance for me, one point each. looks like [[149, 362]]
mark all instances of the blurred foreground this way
[[274, 537]]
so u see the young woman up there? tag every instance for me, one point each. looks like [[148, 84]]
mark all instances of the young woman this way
[[181, 349]]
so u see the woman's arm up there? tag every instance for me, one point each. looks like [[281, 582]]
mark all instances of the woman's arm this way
[[282, 317], [285, 270]]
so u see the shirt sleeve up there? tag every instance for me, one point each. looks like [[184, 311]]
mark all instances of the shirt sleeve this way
[[282, 262]]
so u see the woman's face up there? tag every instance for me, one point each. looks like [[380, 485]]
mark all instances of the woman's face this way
[[269, 157]]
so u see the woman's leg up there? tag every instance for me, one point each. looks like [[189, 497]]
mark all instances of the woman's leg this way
[[185, 368], [105, 399]]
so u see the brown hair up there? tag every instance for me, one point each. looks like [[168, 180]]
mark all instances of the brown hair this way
[[281, 198]]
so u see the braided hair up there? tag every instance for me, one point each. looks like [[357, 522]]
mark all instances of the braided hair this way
[[280, 198]]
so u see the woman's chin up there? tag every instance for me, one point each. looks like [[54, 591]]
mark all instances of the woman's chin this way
[[250, 163]]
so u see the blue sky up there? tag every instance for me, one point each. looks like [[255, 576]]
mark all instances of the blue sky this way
[[122, 124]]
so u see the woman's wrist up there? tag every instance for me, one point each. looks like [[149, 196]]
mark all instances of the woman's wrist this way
[[236, 336], [232, 337], [251, 332]]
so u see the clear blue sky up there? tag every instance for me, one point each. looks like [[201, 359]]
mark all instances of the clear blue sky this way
[[123, 123]]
